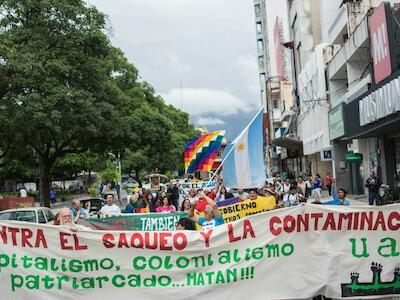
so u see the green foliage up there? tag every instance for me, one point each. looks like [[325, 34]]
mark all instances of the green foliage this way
[[68, 97], [110, 174], [93, 189]]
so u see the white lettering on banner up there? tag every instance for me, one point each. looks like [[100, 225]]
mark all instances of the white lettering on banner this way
[[380, 44], [380, 103], [360, 245]]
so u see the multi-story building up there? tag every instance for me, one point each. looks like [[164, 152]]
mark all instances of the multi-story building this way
[[363, 70], [276, 89], [313, 101], [343, 116]]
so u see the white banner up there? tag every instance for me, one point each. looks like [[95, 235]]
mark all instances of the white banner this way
[[185, 187], [293, 253]]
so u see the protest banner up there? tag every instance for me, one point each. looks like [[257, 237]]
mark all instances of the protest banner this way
[[143, 222], [239, 210], [185, 187], [227, 202], [291, 253]]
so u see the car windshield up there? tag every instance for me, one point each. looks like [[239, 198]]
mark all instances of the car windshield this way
[[23, 215]]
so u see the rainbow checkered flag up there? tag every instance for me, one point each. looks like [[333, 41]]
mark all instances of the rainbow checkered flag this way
[[201, 151]]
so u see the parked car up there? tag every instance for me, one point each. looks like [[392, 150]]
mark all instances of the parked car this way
[[41, 215], [96, 203]]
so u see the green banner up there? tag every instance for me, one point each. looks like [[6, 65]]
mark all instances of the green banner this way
[[336, 124], [138, 222]]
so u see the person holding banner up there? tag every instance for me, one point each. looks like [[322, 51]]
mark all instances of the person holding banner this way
[[270, 200], [78, 211], [242, 195], [212, 215], [136, 204], [292, 198], [110, 209], [185, 224], [222, 194]]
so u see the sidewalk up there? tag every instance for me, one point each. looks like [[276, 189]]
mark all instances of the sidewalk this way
[[355, 200]]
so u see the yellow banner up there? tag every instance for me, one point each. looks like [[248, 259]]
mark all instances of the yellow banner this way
[[246, 208]]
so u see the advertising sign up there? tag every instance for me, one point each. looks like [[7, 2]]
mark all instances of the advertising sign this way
[[336, 123], [380, 50]]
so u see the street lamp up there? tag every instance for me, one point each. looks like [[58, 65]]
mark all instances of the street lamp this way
[[118, 159]]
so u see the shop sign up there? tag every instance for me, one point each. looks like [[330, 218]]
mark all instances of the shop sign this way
[[336, 124], [381, 103], [380, 51], [326, 154], [353, 157]]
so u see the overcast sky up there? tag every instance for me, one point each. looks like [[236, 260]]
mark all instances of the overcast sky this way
[[206, 46]]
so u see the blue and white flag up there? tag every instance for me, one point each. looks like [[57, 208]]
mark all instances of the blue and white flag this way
[[244, 158]]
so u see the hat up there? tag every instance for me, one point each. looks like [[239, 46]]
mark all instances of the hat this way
[[136, 190], [187, 223], [269, 191]]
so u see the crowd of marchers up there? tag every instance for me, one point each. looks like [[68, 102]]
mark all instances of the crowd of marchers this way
[[202, 204]]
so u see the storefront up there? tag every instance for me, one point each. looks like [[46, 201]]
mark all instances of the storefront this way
[[374, 118], [337, 130]]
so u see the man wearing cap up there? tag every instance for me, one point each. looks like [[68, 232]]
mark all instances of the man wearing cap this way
[[185, 224], [136, 203]]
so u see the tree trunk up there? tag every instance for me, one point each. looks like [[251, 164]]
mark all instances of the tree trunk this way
[[44, 180], [138, 178]]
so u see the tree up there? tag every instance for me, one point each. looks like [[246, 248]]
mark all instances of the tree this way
[[158, 134], [58, 90], [67, 95]]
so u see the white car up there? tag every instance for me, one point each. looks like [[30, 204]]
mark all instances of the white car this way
[[41, 215]]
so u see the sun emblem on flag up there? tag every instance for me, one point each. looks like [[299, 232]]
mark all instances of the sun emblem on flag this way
[[241, 147]]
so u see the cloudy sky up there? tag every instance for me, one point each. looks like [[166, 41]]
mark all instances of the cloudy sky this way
[[200, 55]]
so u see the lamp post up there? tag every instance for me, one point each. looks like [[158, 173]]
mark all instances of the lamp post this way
[[118, 160]]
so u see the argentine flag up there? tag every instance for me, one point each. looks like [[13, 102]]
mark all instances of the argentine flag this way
[[243, 159]]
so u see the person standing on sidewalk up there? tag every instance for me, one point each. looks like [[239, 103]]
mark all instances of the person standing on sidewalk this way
[[52, 197], [317, 185], [373, 184], [328, 183]]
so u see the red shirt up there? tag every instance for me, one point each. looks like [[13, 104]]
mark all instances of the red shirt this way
[[328, 180], [212, 195], [201, 205]]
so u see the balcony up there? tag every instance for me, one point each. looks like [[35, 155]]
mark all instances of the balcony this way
[[359, 39], [356, 89], [338, 27], [276, 115]]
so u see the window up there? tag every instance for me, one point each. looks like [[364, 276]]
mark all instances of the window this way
[[261, 62], [260, 45], [41, 217], [22, 215], [275, 104], [259, 27], [257, 9], [49, 215]]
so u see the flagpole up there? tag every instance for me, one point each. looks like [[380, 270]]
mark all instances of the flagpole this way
[[230, 151], [222, 162]]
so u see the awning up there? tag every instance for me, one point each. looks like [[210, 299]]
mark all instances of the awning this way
[[288, 143]]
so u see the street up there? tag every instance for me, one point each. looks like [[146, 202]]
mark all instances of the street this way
[[200, 149]]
